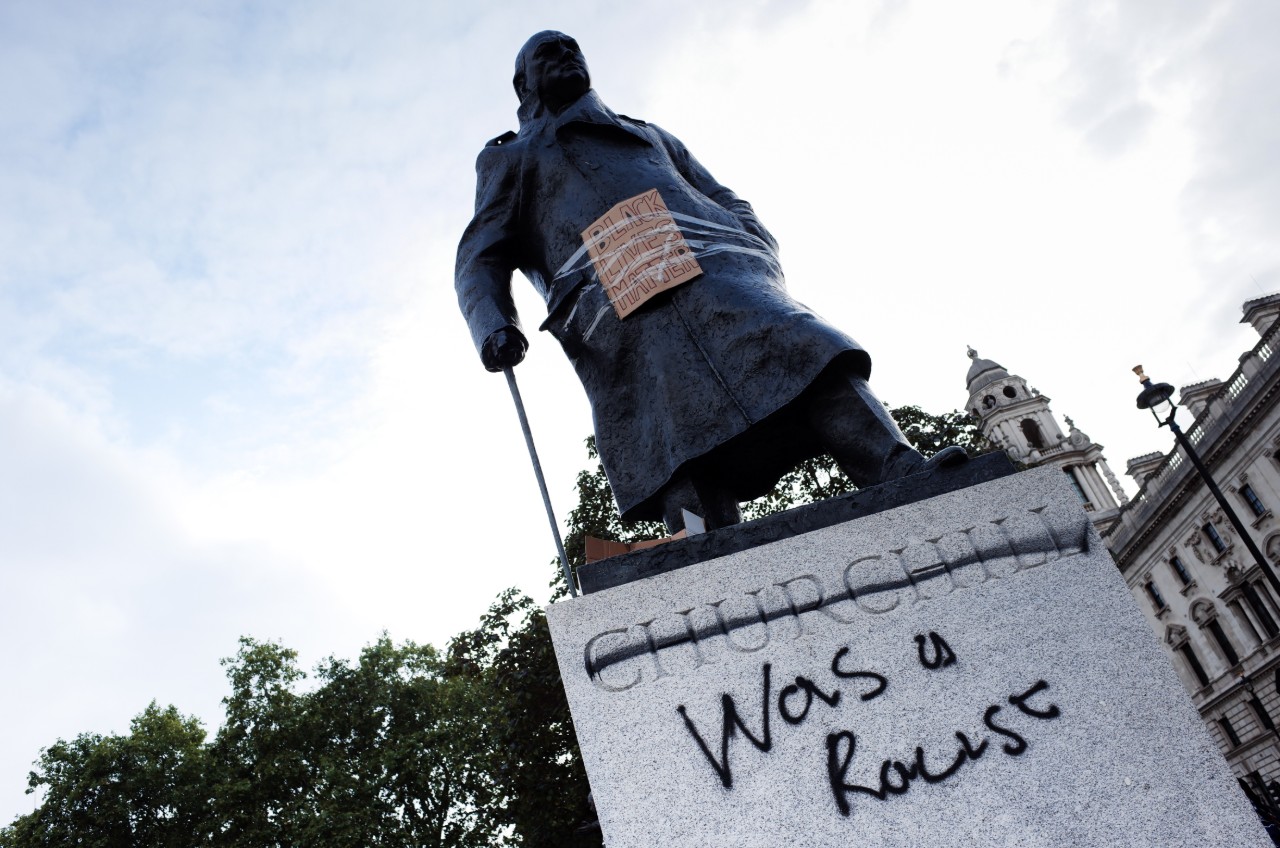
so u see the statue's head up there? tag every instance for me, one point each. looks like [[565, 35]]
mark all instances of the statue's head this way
[[551, 68]]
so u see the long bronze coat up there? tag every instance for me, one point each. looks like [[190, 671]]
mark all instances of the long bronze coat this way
[[700, 375]]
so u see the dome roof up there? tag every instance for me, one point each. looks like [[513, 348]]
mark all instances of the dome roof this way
[[983, 372]]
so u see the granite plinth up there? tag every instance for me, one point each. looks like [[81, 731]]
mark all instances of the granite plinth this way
[[965, 670], [618, 570]]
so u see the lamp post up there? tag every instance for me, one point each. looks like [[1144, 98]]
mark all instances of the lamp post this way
[[1158, 399]]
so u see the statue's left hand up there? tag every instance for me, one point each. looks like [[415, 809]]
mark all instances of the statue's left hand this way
[[504, 348]]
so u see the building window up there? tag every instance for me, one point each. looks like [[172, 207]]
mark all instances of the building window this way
[[1260, 610], [1181, 570], [1232, 736], [1260, 789], [1235, 607], [1031, 430], [1010, 392], [1075, 483], [1264, 718], [1193, 662], [1251, 499], [1220, 636], [1156, 597], [1214, 538], [1259, 796]]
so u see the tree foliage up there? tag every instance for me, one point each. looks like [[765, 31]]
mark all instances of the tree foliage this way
[[389, 751], [542, 784], [931, 433], [146, 788]]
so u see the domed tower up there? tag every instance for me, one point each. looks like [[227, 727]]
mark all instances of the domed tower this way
[[1018, 419]]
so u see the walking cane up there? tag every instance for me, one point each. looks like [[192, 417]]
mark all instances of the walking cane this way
[[542, 483]]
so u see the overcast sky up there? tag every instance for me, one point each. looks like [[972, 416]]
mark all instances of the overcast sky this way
[[236, 395]]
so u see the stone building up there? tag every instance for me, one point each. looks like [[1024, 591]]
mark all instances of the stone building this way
[[1206, 598], [1018, 419]]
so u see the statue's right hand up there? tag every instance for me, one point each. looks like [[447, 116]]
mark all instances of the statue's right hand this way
[[504, 348]]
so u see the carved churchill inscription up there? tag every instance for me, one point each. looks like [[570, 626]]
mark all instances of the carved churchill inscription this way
[[847, 779], [873, 583]]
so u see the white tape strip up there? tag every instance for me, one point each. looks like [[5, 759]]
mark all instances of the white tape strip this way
[[608, 307]]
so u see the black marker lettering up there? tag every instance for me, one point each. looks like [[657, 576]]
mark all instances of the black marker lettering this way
[[886, 786], [811, 691], [928, 777], [881, 682], [970, 751], [1018, 745], [838, 766], [730, 726], [1020, 701], [942, 653]]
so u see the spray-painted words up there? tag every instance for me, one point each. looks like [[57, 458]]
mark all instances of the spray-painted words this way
[[848, 779]]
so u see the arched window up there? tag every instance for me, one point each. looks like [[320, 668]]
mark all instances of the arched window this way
[[1075, 483], [1031, 430], [1251, 498], [1214, 537], [1204, 614], [1156, 598], [1193, 662], [1229, 730], [1251, 596], [1176, 637], [1220, 636], [1264, 717]]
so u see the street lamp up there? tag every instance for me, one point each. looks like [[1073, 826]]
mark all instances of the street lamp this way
[[1159, 399]]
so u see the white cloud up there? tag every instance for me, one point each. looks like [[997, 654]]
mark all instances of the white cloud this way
[[108, 601]]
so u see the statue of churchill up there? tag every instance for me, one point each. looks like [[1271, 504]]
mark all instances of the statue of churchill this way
[[705, 393]]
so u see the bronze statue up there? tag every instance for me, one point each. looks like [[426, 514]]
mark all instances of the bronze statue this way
[[709, 391]]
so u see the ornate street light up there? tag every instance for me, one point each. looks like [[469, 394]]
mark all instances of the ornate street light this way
[[1158, 398]]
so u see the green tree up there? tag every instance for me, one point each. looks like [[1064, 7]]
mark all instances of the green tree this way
[[399, 753], [541, 785], [931, 433], [146, 788], [259, 761], [388, 751]]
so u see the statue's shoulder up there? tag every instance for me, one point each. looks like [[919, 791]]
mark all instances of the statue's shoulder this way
[[506, 138], [654, 130], [500, 154]]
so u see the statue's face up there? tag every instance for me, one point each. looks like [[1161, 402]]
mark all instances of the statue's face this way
[[557, 70]]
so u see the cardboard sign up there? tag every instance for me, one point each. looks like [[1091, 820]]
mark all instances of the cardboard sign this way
[[638, 251]]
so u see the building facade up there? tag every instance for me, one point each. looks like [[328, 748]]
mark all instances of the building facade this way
[[1206, 598], [1204, 595]]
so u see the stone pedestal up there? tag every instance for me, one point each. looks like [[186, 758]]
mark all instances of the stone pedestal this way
[[964, 670]]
